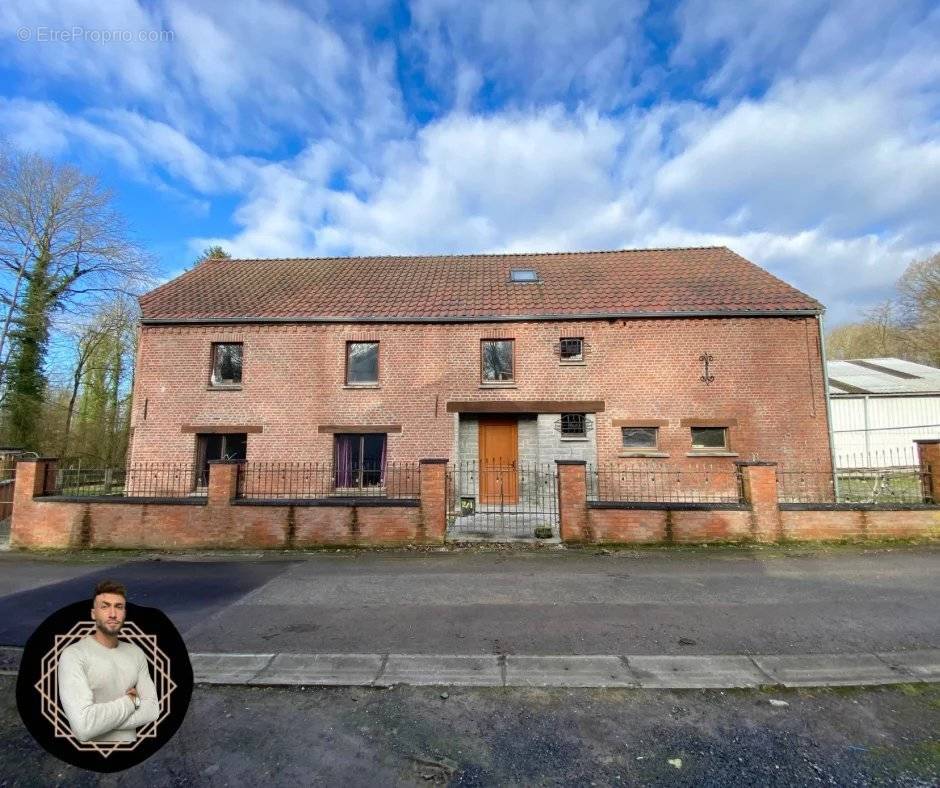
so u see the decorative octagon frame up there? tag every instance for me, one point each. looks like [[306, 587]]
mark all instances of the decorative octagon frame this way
[[48, 687]]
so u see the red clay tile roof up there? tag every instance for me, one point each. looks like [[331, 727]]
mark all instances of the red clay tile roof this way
[[577, 284]]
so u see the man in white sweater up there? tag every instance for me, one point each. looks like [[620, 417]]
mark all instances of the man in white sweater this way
[[104, 684]]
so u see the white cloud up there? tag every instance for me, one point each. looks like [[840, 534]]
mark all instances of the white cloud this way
[[531, 53], [806, 155], [231, 75], [92, 59], [814, 150], [747, 46], [472, 183]]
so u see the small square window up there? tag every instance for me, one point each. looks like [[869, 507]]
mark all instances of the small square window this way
[[709, 437], [496, 360], [639, 437], [573, 425], [362, 362], [226, 363], [571, 349]]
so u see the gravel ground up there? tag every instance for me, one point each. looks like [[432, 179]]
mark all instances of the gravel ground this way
[[417, 736]]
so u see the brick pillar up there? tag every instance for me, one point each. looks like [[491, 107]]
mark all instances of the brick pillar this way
[[572, 501], [759, 480], [223, 481], [434, 500], [928, 453], [30, 483]]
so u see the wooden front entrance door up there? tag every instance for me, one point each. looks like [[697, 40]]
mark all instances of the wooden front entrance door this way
[[499, 455]]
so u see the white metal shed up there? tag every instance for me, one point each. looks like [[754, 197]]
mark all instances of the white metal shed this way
[[879, 407]]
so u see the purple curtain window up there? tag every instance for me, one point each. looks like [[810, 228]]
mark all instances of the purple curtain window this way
[[346, 445]]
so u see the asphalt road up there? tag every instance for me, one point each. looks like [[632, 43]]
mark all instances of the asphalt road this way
[[692, 601], [415, 736]]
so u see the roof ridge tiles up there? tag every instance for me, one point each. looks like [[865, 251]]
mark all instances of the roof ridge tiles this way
[[460, 255]]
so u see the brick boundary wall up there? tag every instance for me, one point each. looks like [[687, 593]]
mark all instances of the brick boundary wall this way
[[219, 520], [760, 519]]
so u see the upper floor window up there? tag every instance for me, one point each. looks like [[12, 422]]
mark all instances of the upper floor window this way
[[715, 438], [571, 349], [497, 360], [362, 362], [226, 363]]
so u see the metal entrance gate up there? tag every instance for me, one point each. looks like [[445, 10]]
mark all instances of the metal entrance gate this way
[[502, 502], [7, 481]]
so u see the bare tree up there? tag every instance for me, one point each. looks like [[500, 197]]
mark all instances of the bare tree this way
[[907, 326], [62, 246], [877, 335], [59, 216], [113, 325], [919, 307]]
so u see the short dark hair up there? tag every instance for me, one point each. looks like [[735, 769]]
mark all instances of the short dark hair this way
[[110, 587]]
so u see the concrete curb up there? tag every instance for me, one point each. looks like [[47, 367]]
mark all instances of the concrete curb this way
[[512, 670]]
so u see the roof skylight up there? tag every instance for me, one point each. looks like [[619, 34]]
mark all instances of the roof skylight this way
[[523, 275]]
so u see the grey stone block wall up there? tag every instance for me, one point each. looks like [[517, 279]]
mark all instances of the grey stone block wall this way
[[528, 439], [553, 447], [528, 456], [540, 441], [468, 440], [468, 443], [540, 444]]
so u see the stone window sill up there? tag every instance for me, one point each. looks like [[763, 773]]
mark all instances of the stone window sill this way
[[362, 386], [572, 363], [223, 387], [573, 439], [658, 454], [507, 385], [712, 454]]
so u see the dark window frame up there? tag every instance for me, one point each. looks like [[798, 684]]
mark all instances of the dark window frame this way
[[561, 350], [362, 470], [214, 379], [627, 447], [202, 446], [584, 425], [512, 345], [726, 445], [378, 362]]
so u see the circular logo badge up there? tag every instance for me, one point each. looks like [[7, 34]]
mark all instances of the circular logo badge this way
[[148, 642]]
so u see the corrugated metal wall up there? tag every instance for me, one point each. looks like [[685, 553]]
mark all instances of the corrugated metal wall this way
[[893, 424]]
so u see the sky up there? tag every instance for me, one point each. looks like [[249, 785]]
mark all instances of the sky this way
[[803, 134]]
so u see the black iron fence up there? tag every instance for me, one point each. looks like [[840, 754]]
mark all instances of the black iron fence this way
[[492, 500], [891, 457], [629, 483], [296, 480], [908, 484], [138, 480]]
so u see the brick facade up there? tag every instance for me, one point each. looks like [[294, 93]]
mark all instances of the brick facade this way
[[768, 386]]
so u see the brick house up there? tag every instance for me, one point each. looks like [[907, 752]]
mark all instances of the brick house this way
[[665, 356]]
